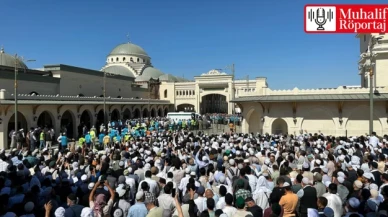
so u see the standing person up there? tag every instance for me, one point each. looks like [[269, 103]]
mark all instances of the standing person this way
[[48, 138], [308, 197], [289, 201], [41, 139], [334, 201], [62, 140], [12, 136]]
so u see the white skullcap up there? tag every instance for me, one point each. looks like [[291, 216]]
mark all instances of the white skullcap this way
[[91, 186], [305, 165], [327, 183], [187, 170], [84, 177], [341, 179], [373, 186], [286, 184], [318, 161], [231, 161], [341, 157], [341, 174], [325, 170], [305, 180]]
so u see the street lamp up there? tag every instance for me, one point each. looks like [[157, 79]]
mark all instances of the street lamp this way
[[16, 88], [369, 64]]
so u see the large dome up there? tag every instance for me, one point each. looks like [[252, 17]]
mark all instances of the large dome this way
[[119, 70], [8, 60], [128, 49]]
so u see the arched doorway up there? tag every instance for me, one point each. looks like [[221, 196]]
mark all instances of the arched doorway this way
[[253, 120], [45, 120], [22, 124], [136, 113], [185, 108], [214, 103], [126, 114], [67, 124], [99, 119], [279, 126], [165, 112], [115, 115], [153, 112], [86, 118], [160, 112], [145, 113]]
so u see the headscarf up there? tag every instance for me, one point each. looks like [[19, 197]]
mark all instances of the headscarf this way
[[262, 184], [59, 212], [99, 203]]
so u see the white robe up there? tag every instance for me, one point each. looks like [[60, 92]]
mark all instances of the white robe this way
[[334, 202], [262, 193]]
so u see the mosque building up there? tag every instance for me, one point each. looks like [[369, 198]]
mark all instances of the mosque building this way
[[66, 96]]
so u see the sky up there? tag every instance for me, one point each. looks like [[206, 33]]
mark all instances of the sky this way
[[185, 38]]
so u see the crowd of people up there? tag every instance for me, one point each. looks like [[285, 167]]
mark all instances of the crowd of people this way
[[149, 169]]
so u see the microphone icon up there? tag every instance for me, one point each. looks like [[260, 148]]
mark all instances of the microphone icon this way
[[320, 20]]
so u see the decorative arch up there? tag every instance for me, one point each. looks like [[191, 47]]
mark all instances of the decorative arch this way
[[253, 121], [279, 126], [45, 119], [99, 118], [136, 113], [153, 113], [319, 119], [165, 111], [21, 123], [186, 107], [115, 115], [357, 122], [86, 118], [127, 114], [145, 113], [160, 112], [67, 123], [34, 93]]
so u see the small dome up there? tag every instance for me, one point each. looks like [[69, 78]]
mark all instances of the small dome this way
[[152, 72], [128, 49], [119, 70], [8, 60], [168, 77], [142, 78]]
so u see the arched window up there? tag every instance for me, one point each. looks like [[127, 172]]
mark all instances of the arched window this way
[[119, 97], [131, 59], [33, 93], [123, 59], [138, 60], [187, 92], [143, 60], [165, 93], [193, 92], [177, 93], [117, 59], [111, 59], [80, 95]]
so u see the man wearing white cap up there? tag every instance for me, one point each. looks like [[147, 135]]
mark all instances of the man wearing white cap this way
[[307, 196], [342, 191]]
